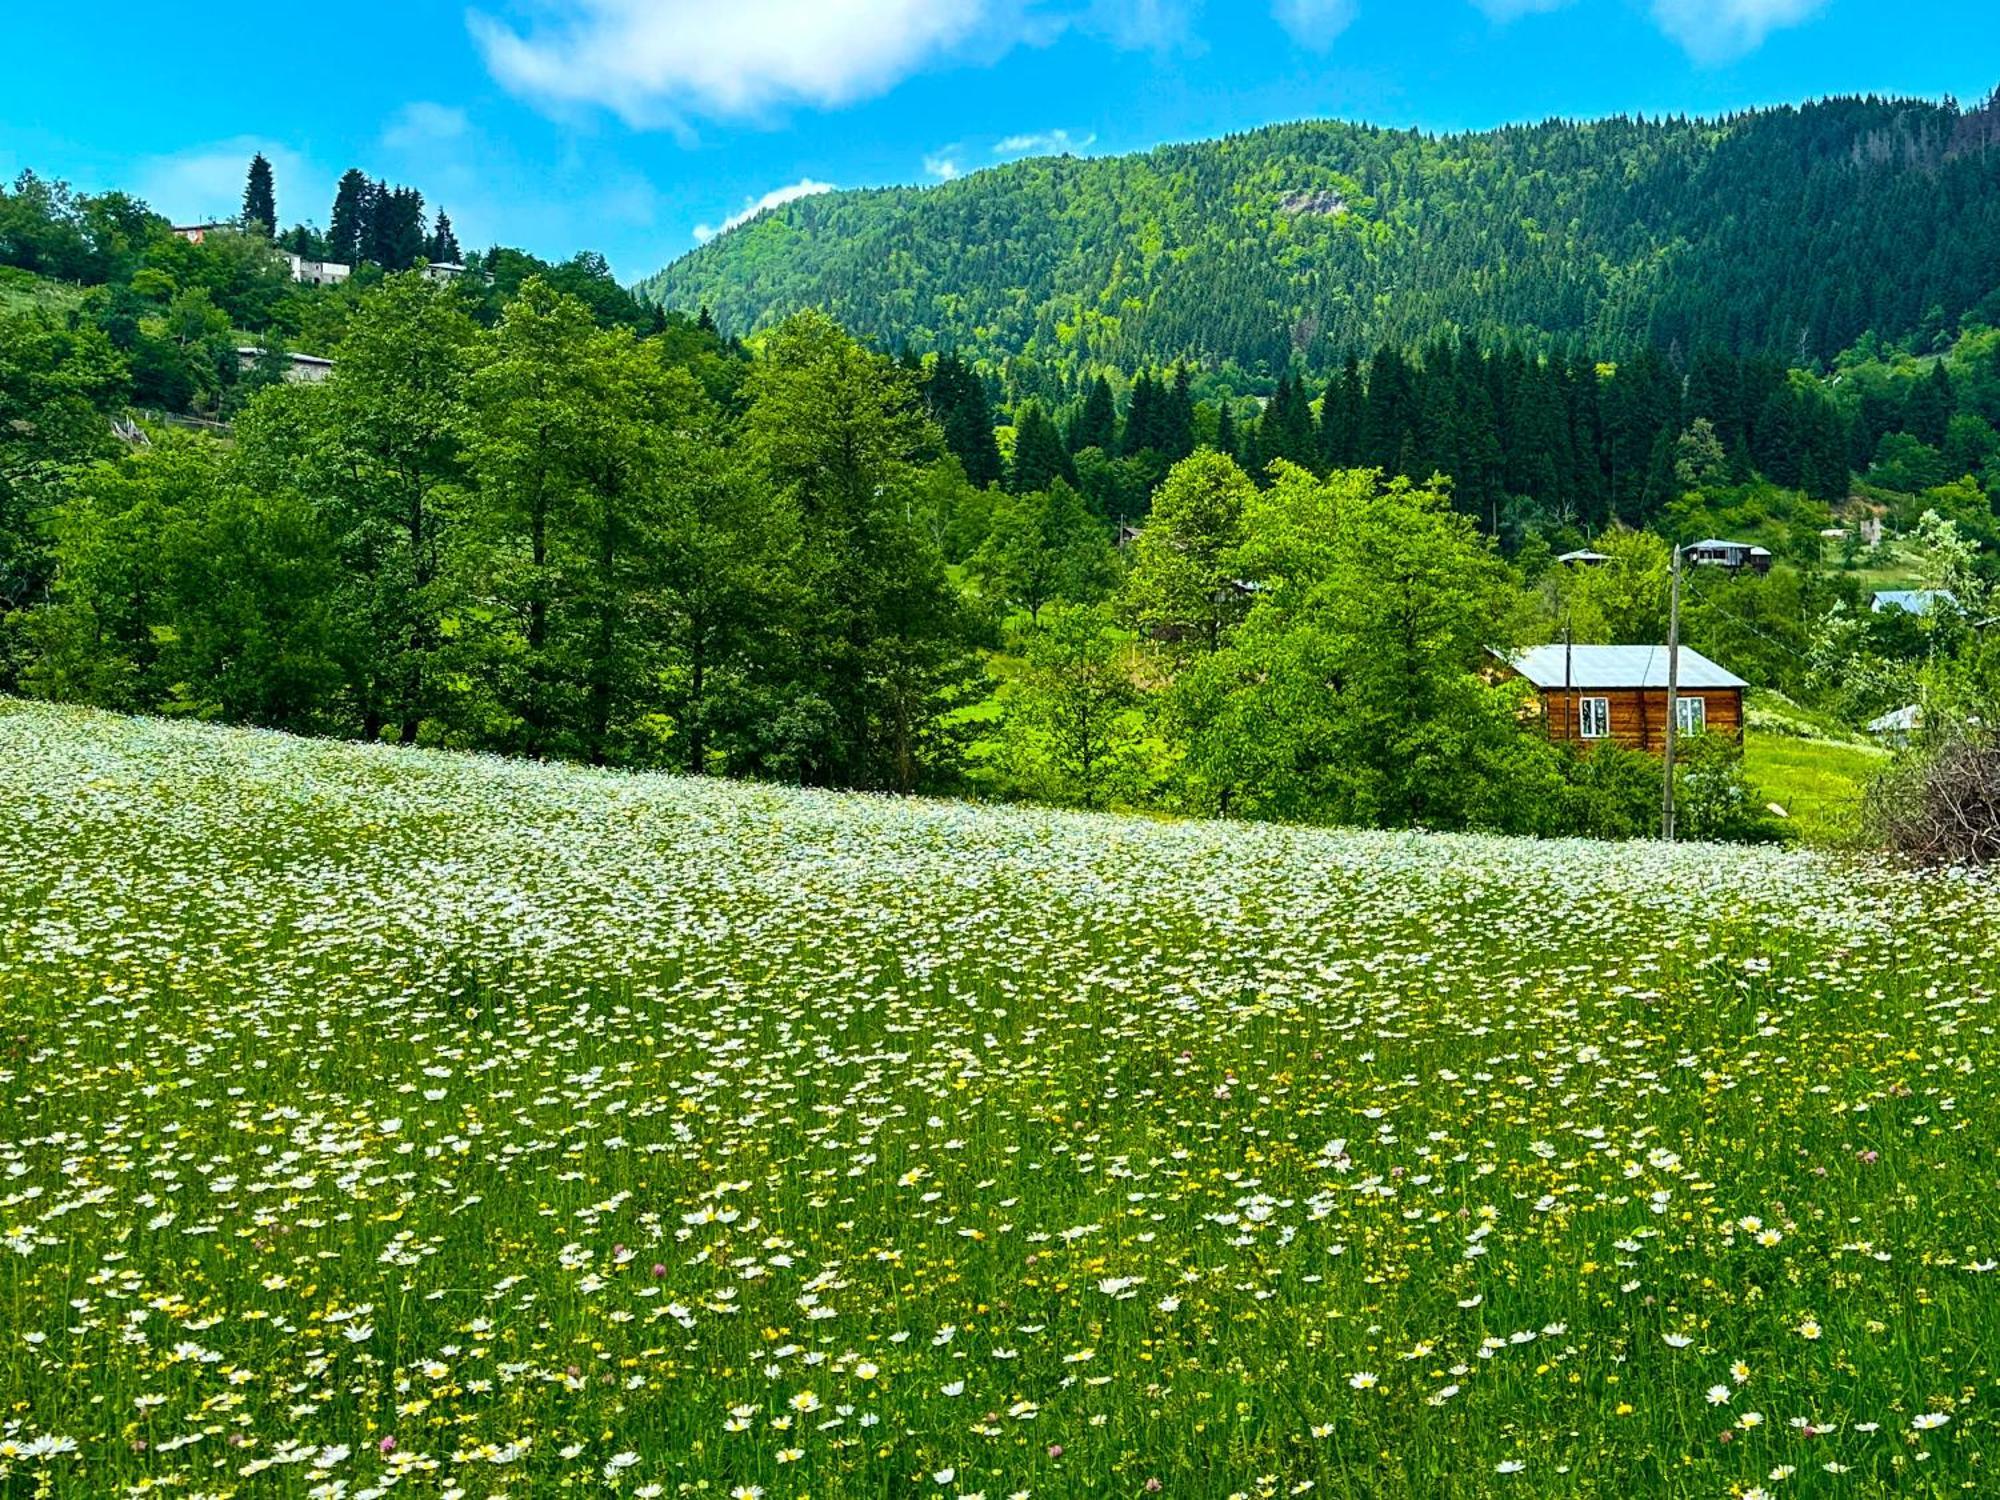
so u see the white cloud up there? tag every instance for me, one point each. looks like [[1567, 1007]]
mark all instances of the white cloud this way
[[1157, 24], [1314, 23], [944, 164], [777, 197], [657, 62], [425, 126], [667, 62], [1043, 143], [1718, 31], [1512, 10], [206, 182]]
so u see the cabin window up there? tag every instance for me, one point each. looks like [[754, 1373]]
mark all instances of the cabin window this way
[[1595, 717], [1691, 715]]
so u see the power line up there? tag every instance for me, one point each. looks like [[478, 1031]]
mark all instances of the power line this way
[[1755, 630]]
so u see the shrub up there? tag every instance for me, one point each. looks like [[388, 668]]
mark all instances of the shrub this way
[[1940, 803], [1714, 801], [1613, 793]]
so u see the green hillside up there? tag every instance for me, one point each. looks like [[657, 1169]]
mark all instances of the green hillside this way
[[1765, 232], [24, 292]]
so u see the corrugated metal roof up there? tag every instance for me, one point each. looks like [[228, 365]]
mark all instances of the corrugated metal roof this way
[[1617, 667], [1897, 721], [1912, 601]]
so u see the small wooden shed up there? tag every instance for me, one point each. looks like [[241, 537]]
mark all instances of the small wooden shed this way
[[1589, 694]]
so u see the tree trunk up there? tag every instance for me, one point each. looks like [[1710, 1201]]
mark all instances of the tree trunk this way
[[422, 574], [607, 614], [697, 724], [538, 622]]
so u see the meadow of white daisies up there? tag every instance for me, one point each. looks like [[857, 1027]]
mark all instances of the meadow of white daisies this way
[[376, 1121]]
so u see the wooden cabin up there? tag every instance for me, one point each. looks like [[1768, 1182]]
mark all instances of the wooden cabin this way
[[1589, 694], [1733, 556]]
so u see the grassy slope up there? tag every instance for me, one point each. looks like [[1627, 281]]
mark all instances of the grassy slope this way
[[1809, 764], [543, 1125], [1818, 782], [22, 291]]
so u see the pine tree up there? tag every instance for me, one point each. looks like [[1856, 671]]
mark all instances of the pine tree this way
[[1435, 447], [444, 250], [1142, 420], [1715, 391], [1286, 429], [377, 216], [1096, 426], [1479, 459], [1250, 455], [348, 230], [1641, 417], [1388, 419], [1177, 417], [1583, 413], [1826, 473], [956, 399], [260, 200], [1661, 487], [1225, 430], [1340, 417], [1040, 458], [379, 245], [1538, 442], [396, 227], [1779, 442], [1927, 411]]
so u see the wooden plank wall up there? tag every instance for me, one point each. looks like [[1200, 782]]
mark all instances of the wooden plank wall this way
[[1639, 718]]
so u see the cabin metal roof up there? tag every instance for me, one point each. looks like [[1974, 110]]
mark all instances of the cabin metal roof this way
[[1897, 720], [254, 351], [1912, 601], [1622, 667]]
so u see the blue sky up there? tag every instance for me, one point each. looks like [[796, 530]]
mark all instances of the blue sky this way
[[636, 127]]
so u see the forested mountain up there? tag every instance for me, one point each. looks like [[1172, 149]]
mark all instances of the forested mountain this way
[[1761, 233]]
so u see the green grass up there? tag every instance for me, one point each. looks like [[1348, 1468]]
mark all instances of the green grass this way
[[1771, 711], [24, 292], [1818, 782], [375, 1117], [1888, 566]]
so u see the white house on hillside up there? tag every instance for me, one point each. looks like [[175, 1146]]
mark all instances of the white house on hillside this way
[[307, 369], [317, 272]]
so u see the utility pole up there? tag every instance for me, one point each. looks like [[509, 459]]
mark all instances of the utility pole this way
[[1673, 697], [1570, 735]]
